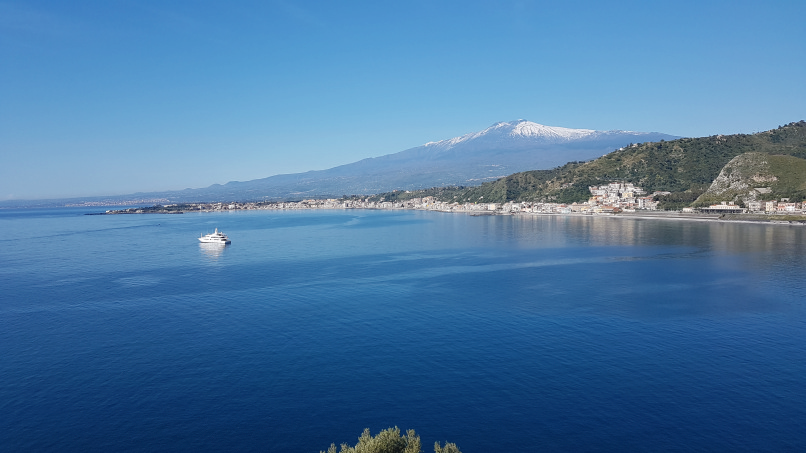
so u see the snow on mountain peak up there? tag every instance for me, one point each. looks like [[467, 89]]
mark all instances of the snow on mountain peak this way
[[520, 128], [525, 128]]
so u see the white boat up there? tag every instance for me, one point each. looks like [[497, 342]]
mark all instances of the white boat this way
[[215, 238]]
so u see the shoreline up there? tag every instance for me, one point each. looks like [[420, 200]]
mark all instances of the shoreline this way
[[645, 215]]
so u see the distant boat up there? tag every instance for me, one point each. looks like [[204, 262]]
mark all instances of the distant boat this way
[[215, 238]]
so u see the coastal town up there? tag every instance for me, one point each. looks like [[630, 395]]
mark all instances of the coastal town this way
[[609, 199]]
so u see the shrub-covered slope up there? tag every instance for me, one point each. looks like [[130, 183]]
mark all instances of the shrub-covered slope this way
[[757, 176]]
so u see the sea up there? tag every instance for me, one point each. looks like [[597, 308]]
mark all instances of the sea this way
[[498, 333]]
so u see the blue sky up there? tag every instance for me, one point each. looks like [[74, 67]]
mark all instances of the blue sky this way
[[113, 97]]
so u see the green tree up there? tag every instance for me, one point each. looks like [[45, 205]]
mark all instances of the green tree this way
[[390, 441], [448, 448]]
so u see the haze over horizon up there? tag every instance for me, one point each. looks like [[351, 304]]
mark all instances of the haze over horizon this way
[[103, 98]]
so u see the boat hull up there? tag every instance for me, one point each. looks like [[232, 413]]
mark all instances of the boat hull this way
[[215, 238], [214, 241]]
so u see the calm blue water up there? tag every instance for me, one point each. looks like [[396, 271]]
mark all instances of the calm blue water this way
[[123, 333]]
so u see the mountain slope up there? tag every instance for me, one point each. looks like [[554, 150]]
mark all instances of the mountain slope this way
[[686, 167], [757, 176], [501, 149]]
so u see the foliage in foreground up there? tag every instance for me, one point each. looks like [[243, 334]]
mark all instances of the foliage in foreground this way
[[390, 441]]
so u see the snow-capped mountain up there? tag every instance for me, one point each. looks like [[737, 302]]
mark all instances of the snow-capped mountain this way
[[526, 133], [518, 129], [499, 150]]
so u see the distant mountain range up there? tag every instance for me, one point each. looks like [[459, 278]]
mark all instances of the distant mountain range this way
[[696, 171], [501, 149], [471, 159]]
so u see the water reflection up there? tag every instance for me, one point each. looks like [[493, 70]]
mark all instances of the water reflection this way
[[730, 237], [212, 251], [759, 249]]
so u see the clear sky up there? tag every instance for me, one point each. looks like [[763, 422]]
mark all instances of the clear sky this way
[[117, 96]]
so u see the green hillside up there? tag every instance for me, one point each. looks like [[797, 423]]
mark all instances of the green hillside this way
[[685, 167], [791, 174], [757, 177], [440, 193]]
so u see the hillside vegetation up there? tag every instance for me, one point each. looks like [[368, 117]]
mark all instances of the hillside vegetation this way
[[755, 177], [685, 167], [390, 441], [440, 193]]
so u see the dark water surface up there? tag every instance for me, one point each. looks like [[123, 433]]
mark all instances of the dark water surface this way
[[123, 333]]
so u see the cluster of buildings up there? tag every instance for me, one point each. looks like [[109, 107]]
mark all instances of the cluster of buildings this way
[[757, 207], [115, 202], [605, 199], [610, 198], [622, 196], [781, 207]]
